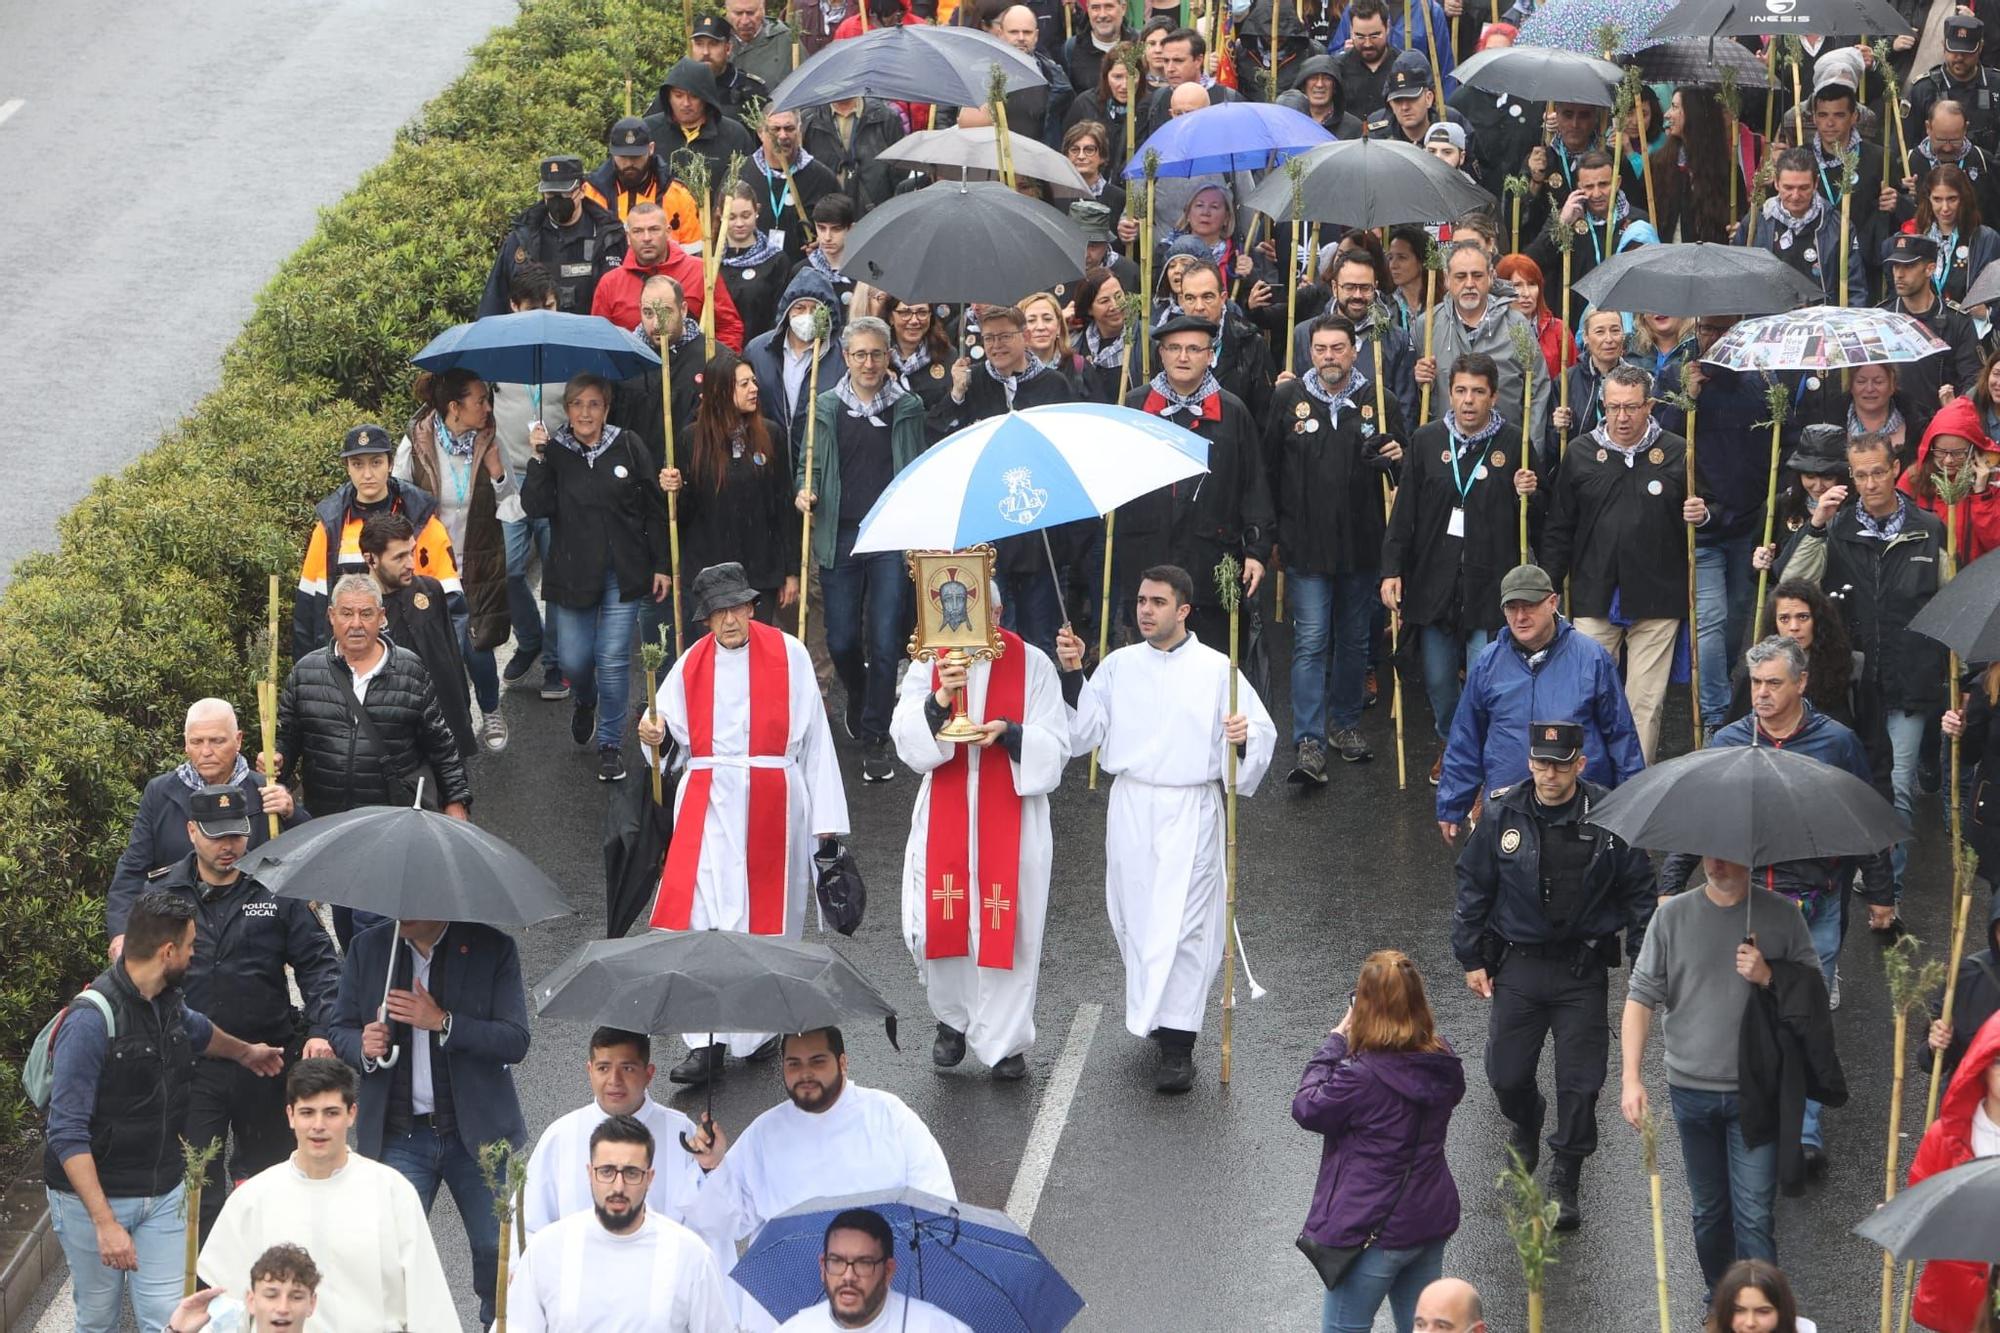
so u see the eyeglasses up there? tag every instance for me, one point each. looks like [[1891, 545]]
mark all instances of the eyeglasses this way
[[867, 354], [1001, 335], [1954, 455], [1186, 349], [1626, 409], [839, 1265], [1862, 474], [631, 1175]]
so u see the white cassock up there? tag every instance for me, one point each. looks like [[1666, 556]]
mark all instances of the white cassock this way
[[899, 1314], [576, 1277], [994, 1007], [816, 801], [366, 1231], [1156, 719]]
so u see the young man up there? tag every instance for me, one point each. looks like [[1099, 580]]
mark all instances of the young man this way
[[1912, 262], [363, 1220], [833, 217], [1157, 710], [281, 1298], [1585, 212], [857, 1267]]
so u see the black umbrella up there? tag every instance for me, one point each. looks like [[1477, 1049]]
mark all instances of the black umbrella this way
[[1369, 183], [964, 241], [1696, 62], [1964, 615], [1543, 74], [918, 63], [1773, 18], [1948, 1216], [637, 830], [1697, 279]]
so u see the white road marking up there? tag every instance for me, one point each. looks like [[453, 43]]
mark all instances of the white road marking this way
[[1040, 1152], [10, 106]]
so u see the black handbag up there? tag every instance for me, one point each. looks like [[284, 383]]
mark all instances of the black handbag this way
[[843, 898], [1331, 1262]]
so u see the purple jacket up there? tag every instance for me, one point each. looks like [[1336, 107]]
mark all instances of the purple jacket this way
[[1374, 1111]]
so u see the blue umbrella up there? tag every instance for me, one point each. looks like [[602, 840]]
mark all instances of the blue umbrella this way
[[538, 347], [1230, 136], [973, 1263]]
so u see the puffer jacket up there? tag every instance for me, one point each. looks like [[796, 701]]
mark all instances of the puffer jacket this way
[[334, 758], [1948, 1294], [482, 556]]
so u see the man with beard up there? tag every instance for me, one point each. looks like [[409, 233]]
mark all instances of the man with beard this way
[[787, 182], [1585, 213], [663, 302], [829, 1137], [654, 252], [634, 173], [1912, 262], [857, 1266], [1798, 227], [1363, 66], [1963, 78], [576, 240], [585, 1272], [1473, 320], [710, 44], [1357, 297]]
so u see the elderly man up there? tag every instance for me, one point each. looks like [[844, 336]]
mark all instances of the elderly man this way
[[1242, 357], [787, 182], [1472, 319], [1449, 1305], [1801, 228], [761, 45], [213, 743]]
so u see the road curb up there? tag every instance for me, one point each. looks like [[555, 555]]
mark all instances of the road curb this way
[[29, 1251]]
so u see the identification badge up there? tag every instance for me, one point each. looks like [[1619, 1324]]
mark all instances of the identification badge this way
[[1784, 240], [1455, 525], [575, 270]]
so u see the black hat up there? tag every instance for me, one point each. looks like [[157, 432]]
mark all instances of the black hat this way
[[1909, 248], [1822, 451], [1560, 741], [368, 438], [560, 174], [1407, 81], [630, 137], [220, 812], [712, 26], [1963, 32], [1185, 324], [1092, 219], [720, 587]]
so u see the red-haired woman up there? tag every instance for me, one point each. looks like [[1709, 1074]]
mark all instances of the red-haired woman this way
[[1558, 347]]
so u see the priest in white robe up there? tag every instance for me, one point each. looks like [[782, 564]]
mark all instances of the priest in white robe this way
[[976, 868], [1158, 713], [760, 786]]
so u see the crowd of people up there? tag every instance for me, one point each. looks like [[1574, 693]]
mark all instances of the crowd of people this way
[[1436, 477]]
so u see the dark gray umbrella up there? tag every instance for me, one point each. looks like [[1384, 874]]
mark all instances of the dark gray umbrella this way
[[1696, 62], [1369, 183], [1697, 279], [1985, 288], [964, 241], [1948, 1216], [1543, 74], [1774, 18], [1964, 615], [915, 63]]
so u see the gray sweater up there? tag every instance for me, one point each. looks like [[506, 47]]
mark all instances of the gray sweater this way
[[1688, 964]]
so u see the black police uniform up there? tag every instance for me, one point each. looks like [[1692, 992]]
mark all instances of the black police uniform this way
[[1978, 95], [1542, 897]]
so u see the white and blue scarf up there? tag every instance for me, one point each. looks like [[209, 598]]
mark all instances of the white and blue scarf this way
[[193, 781], [892, 389]]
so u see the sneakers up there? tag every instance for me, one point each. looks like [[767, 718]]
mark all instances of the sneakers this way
[[702, 1064], [517, 668], [1311, 765], [1437, 769], [582, 722], [1352, 748], [876, 766], [554, 687], [1373, 689], [610, 764], [949, 1048], [493, 733]]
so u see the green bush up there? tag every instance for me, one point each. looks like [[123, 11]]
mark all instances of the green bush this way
[[158, 591]]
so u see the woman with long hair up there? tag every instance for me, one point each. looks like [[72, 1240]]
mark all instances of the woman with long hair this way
[[1755, 1296], [1100, 342], [1800, 611], [1380, 1093], [1956, 444], [1691, 171], [920, 353], [754, 263], [1986, 394], [1948, 213], [1087, 145], [1660, 346], [735, 494], [1558, 347], [1108, 104]]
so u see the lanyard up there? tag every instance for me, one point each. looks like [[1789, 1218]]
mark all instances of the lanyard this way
[[1947, 250], [1457, 447]]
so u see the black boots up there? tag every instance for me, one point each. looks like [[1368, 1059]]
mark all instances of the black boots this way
[[1176, 1070], [1565, 1177]]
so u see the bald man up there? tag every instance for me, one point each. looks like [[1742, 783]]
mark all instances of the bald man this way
[[1449, 1305], [1036, 112], [1185, 98], [213, 743]]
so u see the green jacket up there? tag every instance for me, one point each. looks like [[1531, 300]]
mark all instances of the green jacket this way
[[906, 441]]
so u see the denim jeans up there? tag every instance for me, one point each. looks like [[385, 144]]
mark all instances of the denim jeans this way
[[1398, 1275], [1823, 922], [1906, 738], [529, 637], [425, 1159], [480, 666], [1445, 655], [867, 616], [1031, 608], [158, 1238], [1329, 689], [1732, 1186], [597, 655], [1724, 587]]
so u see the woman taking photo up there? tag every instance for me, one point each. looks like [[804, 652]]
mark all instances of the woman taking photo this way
[[1087, 145], [1380, 1093], [754, 266], [1100, 304], [1948, 213], [735, 495], [1692, 170], [1956, 445], [607, 553], [1558, 348], [1106, 105]]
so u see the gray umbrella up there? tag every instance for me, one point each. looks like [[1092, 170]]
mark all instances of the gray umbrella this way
[[1543, 74], [914, 63], [1948, 1216], [1696, 62], [972, 154], [964, 241], [1697, 279], [1369, 183], [1985, 288], [1964, 614]]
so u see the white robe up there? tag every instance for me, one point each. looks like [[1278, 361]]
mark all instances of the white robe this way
[[899, 1314], [817, 800], [576, 1277], [365, 1229], [1156, 719], [993, 1007]]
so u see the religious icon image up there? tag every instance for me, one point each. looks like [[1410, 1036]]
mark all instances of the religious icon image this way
[[954, 617]]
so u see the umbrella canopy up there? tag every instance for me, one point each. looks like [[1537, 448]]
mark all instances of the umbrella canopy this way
[[1369, 183], [709, 981], [1228, 136], [406, 863], [538, 347], [972, 154], [1964, 615], [1824, 338], [964, 241], [1697, 279], [1946, 1216], [1985, 288], [1028, 470], [914, 63], [1696, 62], [973, 1263], [637, 830], [1755, 805], [1772, 18], [1573, 25], [1543, 74]]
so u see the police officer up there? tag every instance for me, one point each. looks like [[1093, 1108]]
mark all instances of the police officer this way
[[1963, 78], [1542, 896], [244, 939], [576, 239]]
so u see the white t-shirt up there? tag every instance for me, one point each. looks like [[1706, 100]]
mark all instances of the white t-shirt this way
[[576, 1277], [1985, 1134], [922, 1317]]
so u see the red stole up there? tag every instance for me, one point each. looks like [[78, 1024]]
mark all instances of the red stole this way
[[766, 837], [949, 895]]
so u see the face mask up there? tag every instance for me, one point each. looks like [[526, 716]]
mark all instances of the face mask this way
[[561, 206], [802, 327], [1238, 8]]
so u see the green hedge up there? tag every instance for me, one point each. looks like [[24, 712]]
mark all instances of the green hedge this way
[[157, 594]]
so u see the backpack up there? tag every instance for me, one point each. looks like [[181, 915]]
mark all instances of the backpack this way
[[38, 1072]]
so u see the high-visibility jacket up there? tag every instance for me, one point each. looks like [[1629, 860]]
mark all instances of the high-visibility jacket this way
[[335, 549]]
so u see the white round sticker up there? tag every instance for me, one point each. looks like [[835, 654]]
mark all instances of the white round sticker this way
[[978, 352], [1812, 255], [1812, 381], [749, 275], [1653, 487], [1514, 110], [1312, 426], [1963, 252], [619, 472]]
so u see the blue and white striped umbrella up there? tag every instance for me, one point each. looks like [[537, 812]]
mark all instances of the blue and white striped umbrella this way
[[1026, 471]]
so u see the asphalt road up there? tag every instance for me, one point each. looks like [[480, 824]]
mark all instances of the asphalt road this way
[[169, 156]]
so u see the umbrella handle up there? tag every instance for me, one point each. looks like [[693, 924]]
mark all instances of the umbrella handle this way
[[708, 1122], [382, 1011]]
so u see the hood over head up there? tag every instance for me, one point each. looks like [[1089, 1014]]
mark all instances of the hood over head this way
[[693, 76]]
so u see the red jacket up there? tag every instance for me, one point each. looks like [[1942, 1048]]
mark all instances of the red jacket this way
[[1949, 1293], [617, 297], [1979, 512]]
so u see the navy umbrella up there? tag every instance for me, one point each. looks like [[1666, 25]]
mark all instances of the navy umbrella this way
[[914, 63], [538, 347]]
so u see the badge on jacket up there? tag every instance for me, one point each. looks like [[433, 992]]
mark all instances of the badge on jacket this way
[[421, 601], [1510, 841], [1656, 455]]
